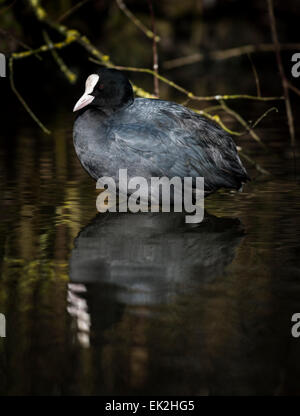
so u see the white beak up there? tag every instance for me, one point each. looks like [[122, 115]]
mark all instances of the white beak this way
[[89, 87], [83, 101]]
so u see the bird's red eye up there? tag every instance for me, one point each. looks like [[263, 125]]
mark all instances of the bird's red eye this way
[[101, 86]]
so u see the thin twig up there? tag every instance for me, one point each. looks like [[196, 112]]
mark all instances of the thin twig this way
[[71, 77], [2, 11], [154, 50], [212, 108], [18, 41], [136, 21], [43, 48], [72, 10], [258, 90], [263, 116], [253, 163], [243, 122], [217, 120], [21, 99], [221, 55], [292, 87], [285, 87]]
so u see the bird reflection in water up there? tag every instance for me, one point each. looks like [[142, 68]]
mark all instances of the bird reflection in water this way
[[141, 261]]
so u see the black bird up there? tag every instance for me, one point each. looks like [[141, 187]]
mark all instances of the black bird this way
[[150, 137]]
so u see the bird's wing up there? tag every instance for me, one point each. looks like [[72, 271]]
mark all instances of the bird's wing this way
[[208, 148], [146, 148], [174, 141]]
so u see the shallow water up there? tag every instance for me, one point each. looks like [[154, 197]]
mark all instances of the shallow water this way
[[144, 303]]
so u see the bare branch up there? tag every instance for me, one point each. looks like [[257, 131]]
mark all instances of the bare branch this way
[[17, 40], [72, 10], [243, 122], [21, 99], [154, 50], [258, 90], [263, 116], [217, 119], [292, 87], [43, 48], [285, 87], [136, 21], [71, 77], [227, 54]]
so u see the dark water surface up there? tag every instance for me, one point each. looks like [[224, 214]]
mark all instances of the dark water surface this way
[[144, 303]]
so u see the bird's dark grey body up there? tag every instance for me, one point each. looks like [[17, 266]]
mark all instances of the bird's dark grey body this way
[[155, 138]]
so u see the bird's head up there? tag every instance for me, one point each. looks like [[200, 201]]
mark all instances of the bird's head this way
[[107, 89]]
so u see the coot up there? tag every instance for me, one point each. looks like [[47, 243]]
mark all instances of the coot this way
[[150, 137]]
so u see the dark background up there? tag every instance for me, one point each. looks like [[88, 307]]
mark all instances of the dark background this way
[[141, 304]]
